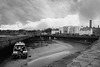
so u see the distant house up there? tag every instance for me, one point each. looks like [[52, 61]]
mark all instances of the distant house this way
[[55, 31], [86, 31], [69, 30], [74, 30], [96, 31], [63, 30]]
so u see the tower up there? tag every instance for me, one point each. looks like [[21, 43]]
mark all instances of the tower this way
[[90, 24], [98, 26]]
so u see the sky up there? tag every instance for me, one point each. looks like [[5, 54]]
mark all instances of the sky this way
[[41, 14]]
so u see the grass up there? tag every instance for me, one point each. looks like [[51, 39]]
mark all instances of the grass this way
[[6, 41]]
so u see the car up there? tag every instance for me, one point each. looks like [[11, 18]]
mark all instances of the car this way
[[19, 50]]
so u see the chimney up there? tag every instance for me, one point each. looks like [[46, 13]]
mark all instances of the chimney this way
[[90, 24], [98, 26]]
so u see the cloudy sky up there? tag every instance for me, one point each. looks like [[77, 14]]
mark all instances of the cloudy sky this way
[[40, 14]]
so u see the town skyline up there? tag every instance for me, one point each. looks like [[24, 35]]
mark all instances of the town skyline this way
[[13, 27]]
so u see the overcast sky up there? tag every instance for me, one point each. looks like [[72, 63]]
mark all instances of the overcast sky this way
[[40, 14]]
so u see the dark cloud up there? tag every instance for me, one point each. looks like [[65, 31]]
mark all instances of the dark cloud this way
[[35, 10], [89, 9], [20, 10]]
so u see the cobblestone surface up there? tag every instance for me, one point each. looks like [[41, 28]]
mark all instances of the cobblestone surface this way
[[87, 58]]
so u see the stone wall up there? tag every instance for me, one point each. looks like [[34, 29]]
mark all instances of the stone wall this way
[[88, 58]]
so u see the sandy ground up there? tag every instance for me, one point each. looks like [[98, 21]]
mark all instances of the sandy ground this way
[[47, 50], [89, 57], [39, 52]]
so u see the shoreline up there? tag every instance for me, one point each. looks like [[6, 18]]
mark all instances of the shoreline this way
[[47, 50], [69, 59], [44, 50], [53, 47]]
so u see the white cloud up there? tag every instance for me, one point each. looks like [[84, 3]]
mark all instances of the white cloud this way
[[16, 26], [46, 23]]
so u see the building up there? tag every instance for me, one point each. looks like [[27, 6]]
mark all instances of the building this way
[[55, 31], [64, 30], [85, 31], [90, 24], [96, 31], [74, 29], [69, 30]]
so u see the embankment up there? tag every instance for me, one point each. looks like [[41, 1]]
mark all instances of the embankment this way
[[6, 45], [89, 57]]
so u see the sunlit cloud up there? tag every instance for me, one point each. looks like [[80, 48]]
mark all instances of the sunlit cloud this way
[[41, 14], [16, 26], [45, 23]]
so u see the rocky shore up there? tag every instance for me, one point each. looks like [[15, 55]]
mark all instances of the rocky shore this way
[[89, 57]]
